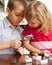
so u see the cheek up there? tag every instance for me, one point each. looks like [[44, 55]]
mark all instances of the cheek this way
[[35, 25], [13, 17], [20, 18]]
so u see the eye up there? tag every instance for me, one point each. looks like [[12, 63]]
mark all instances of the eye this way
[[17, 14], [33, 23]]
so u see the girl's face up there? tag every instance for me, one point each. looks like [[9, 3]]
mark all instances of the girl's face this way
[[16, 15], [34, 22]]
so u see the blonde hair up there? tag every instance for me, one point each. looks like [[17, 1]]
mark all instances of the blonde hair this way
[[39, 9]]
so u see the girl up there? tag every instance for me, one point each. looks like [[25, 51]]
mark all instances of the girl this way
[[39, 24]]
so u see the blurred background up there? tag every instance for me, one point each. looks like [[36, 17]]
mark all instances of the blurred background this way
[[3, 5]]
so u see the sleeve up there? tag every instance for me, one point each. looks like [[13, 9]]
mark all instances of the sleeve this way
[[25, 31]]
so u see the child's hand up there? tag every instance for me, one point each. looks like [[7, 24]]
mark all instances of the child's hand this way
[[45, 51], [20, 50], [15, 44]]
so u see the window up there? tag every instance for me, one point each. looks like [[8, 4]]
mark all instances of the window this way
[[1, 5]]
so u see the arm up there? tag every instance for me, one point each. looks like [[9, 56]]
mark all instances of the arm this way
[[4, 45], [32, 49], [11, 44]]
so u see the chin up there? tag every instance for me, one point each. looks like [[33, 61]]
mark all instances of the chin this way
[[35, 26], [16, 25]]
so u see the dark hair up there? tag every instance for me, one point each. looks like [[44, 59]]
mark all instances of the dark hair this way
[[11, 3]]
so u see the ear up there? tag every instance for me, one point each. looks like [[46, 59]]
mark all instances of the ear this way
[[8, 10]]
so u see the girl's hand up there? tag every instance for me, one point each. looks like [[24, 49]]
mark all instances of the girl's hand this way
[[47, 52], [44, 52]]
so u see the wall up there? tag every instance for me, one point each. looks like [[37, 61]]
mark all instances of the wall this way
[[48, 3]]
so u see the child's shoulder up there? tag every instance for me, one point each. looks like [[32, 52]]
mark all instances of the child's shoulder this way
[[50, 31], [1, 23], [26, 26]]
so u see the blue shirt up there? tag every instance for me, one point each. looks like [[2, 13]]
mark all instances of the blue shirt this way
[[7, 33]]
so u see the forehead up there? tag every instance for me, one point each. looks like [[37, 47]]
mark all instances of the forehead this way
[[18, 7], [34, 17]]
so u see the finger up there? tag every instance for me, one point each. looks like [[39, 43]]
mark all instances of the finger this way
[[21, 50], [17, 47], [18, 42]]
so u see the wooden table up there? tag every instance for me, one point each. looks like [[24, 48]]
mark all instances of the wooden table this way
[[16, 60]]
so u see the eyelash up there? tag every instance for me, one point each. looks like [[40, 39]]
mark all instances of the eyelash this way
[[18, 15]]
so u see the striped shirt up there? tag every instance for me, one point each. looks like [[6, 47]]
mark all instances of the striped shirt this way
[[40, 40]]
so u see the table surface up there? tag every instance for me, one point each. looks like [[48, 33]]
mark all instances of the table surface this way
[[16, 60]]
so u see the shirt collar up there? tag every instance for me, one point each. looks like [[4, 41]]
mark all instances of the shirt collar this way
[[6, 23]]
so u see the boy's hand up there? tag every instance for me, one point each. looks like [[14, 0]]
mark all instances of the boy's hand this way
[[15, 44], [21, 51]]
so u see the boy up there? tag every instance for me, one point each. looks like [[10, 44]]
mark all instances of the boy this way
[[10, 32]]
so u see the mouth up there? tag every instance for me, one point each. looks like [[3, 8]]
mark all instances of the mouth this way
[[17, 22]]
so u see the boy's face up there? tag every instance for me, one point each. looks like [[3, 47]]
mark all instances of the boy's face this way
[[16, 15], [34, 22]]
